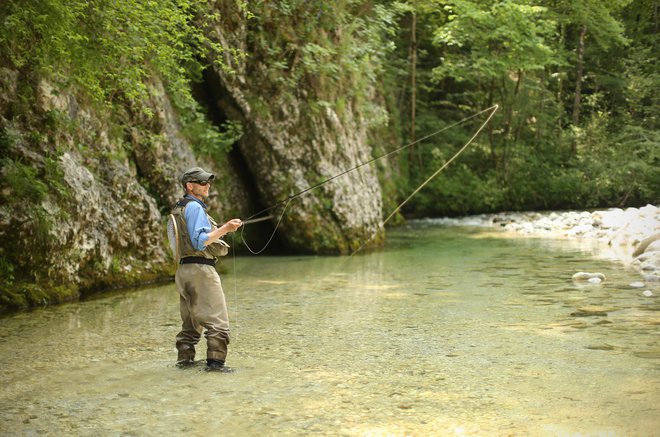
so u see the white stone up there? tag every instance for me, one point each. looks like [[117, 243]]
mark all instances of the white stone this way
[[647, 293], [586, 276], [579, 229], [637, 284], [653, 247]]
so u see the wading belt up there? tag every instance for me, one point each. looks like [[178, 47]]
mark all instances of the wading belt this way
[[197, 260]]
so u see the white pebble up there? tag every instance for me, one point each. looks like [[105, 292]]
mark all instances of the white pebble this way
[[647, 293], [637, 284], [595, 280]]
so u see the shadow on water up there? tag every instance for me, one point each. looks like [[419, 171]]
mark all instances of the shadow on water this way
[[453, 331]]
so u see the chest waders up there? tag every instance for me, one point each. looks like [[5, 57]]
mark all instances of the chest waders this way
[[201, 298]]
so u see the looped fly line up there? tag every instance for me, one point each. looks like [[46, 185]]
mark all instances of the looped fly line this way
[[288, 200]]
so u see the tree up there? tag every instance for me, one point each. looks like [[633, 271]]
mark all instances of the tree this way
[[581, 20], [491, 47]]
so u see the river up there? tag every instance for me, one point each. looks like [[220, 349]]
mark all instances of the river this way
[[446, 331]]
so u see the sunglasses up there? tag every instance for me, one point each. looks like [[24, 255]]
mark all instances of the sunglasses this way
[[201, 183]]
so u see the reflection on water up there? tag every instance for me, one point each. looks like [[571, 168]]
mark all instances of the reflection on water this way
[[448, 331]]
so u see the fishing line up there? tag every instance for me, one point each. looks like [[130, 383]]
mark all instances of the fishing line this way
[[417, 190], [288, 200], [257, 252], [233, 255]]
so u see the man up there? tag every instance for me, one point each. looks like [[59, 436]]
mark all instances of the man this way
[[202, 300]]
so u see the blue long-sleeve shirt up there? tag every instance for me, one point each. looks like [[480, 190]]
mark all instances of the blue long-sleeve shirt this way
[[197, 222]]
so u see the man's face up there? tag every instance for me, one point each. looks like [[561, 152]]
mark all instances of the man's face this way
[[199, 189]]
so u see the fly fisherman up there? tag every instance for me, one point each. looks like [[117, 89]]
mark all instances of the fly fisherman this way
[[202, 301]]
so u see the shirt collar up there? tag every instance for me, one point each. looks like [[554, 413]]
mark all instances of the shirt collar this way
[[188, 196]]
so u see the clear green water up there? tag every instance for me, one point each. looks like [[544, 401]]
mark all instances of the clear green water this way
[[448, 331]]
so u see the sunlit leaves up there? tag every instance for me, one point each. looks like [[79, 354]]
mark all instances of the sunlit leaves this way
[[486, 40], [108, 48]]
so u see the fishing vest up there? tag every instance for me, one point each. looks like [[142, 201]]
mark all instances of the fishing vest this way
[[184, 246]]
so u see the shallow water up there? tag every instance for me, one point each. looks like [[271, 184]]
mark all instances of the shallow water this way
[[448, 331]]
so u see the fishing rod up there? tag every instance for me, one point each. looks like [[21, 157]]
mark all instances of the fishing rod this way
[[288, 200], [257, 220]]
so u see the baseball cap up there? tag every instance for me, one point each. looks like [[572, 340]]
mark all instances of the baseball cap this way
[[196, 174]]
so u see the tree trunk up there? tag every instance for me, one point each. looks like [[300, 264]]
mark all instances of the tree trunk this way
[[413, 85], [514, 98], [541, 117], [491, 137], [508, 124], [578, 82], [560, 86]]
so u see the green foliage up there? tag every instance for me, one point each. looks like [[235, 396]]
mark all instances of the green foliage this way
[[23, 182], [610, 170], [489, 40], [211, 140], [108, 48], [6, 271], [599, 16], [8, 137], [521, 55], [110, 52], [333, 52]]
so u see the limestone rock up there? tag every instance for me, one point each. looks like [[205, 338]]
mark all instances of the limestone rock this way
[[290, 145], [94, 219]]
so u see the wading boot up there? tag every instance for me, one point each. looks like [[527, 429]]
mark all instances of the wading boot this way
[[215, 366], [185, 359], [184, 364]]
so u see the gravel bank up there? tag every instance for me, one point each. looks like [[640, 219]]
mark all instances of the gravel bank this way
[[631, 235]]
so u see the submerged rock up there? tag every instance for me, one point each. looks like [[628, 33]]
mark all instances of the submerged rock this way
[[592, 311], [600, 347], [591, 277]]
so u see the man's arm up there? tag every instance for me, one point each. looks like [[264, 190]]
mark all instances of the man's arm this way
[[198, 225], [228, 227], [200, 230]]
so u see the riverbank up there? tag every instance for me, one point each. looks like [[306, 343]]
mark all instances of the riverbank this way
[[631, 236]]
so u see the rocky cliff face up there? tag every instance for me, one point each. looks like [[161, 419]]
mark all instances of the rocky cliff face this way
[[85, 190], [291, 143], [83, 196]]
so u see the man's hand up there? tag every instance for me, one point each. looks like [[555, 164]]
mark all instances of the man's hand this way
[[233, 224], [228, 227]]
